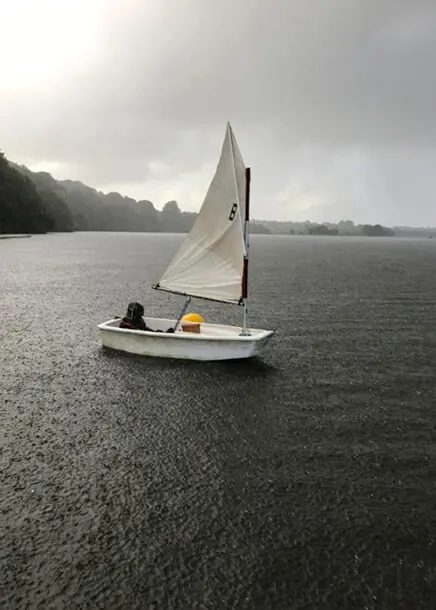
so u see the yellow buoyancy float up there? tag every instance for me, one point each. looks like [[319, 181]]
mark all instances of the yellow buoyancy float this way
[[193, 317]]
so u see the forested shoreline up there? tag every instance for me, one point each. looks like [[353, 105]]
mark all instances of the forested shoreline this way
[[35, 202]]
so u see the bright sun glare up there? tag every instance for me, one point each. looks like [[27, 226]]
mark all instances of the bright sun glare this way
[[40, 39]]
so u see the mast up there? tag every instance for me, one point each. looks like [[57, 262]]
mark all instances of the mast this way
[[247, 245]]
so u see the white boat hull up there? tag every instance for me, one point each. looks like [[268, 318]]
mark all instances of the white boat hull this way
[[214, 342]]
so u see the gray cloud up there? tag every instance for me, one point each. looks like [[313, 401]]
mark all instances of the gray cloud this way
[[332, 104]]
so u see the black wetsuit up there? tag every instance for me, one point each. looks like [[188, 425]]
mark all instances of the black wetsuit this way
[[134, 320], [134, 324]]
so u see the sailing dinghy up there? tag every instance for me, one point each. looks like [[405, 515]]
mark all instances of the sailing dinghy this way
[[211, 264]]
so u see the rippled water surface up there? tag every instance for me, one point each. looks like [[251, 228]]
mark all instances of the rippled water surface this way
[[306, 479]]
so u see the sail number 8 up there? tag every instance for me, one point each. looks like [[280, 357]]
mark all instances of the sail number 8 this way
[[233, 211]]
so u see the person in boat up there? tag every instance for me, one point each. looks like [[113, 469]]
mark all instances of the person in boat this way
[[134, 320]]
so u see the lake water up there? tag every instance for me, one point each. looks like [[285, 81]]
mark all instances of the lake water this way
[[303, 480]]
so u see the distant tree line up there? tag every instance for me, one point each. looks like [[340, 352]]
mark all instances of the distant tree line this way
[[321, 230], [34, 202], [324, 229]]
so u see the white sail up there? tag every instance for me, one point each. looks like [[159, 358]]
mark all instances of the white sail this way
[[209, 263]]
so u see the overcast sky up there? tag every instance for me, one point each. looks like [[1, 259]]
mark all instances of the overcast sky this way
[[333, 102]]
